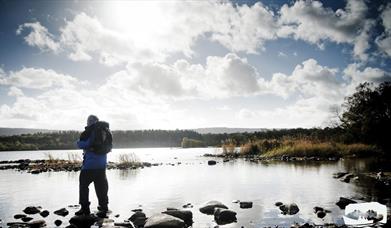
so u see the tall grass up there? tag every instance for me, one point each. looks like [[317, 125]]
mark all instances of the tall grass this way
[[50, 157], [229, 147], [128, 159], [74, 158]]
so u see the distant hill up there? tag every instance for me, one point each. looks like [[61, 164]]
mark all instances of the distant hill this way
[[5, 131], [222, 130]]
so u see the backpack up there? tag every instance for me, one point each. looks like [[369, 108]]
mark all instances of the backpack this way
[[103, 141]]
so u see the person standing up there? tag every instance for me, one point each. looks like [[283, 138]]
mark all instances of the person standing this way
[[94, 165]]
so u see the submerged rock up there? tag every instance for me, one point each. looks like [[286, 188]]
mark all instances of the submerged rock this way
[[83, 220], [31, 210], [185, 215], [37, 224], [289, 209], [278, 204], [245, 205], [58, 222], [19, 216], [343, 202], [44, 213], [26, 219], [224, 216], [212, 162], [164, 221], [339, 174], [62, 212], [209, 207], [138, 219]]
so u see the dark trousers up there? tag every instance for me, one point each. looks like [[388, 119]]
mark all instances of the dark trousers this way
[[98, 176]]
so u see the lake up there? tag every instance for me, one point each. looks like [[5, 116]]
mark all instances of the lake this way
[[308, 184]]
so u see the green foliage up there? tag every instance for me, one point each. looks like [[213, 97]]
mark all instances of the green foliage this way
[[368, 115], [191, 143]]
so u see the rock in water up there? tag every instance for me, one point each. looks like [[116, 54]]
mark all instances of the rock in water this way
[[27, 219], [278, 204], [164, 221], [83, 220], [138, 219], [19, 216], [58, 222], [321, 214], [246, 204], [343, 202], [289, 209], [62, 212], [37, 224], [209, 207], [212, 162], [31, 210], [44, 213], [186, 216], [224, 216]]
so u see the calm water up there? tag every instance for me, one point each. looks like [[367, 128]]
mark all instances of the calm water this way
[[154, 189]]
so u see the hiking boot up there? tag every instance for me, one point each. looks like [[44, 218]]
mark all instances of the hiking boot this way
[[83, 211], [102, 214]]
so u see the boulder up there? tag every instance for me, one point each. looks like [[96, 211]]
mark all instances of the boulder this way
[[347, 178], [62, 212], [44, 213], [209, 207], [339, 174], [83, 220], [35, 171], [58, 222], [185, 215], [27, 219], [31, 210], [17, 224], [278, 204], [289, 209], [164, 221], [343, 202], [138, 219], [37, 224], [212, 162], [246, 204], [224, 216], [19, 216], [321, 214]]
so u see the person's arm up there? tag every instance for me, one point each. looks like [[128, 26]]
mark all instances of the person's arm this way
[[87, 143]]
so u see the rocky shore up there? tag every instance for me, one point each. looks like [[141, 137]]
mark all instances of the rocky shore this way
[[34, 216]]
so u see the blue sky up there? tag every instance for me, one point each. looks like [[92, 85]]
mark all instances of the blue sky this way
[[176, 64]]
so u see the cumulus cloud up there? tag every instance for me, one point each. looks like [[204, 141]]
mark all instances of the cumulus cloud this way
[[384, 40], [37, 78], [39, 37], [312, 22], [15, 92]]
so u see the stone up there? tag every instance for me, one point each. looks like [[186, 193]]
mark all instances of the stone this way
[[26, 219], [235, 201], [17, 224], [124, 224], [289, 209], [343, 202], [188, 205], [209, 207], [164, 221], [37, 224], [347, 178], [19, 216], [321, 214], [35, 171], [138, 209], [339, 174], [58, 222], [138, 219], [278, 204], [44, 213], [212, 162], [83, 220], [31, 210], [185, 215], [62, 212], [224, 216], [245, 205]]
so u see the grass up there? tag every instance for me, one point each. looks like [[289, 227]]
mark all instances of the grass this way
[[74, 158], [129, 159], [306, 148], [229, 147], [50, 158]]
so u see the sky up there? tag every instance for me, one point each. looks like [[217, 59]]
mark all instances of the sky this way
[[188, 64]]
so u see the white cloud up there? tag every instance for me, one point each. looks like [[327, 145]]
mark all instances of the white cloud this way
[[384, 40], [15, 92], [39, 37], [312, 22], [37, 78]]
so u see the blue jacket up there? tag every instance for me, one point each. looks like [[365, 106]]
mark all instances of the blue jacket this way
[[91, 160]]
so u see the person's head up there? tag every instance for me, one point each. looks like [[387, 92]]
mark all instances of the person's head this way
[[91, 120]]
